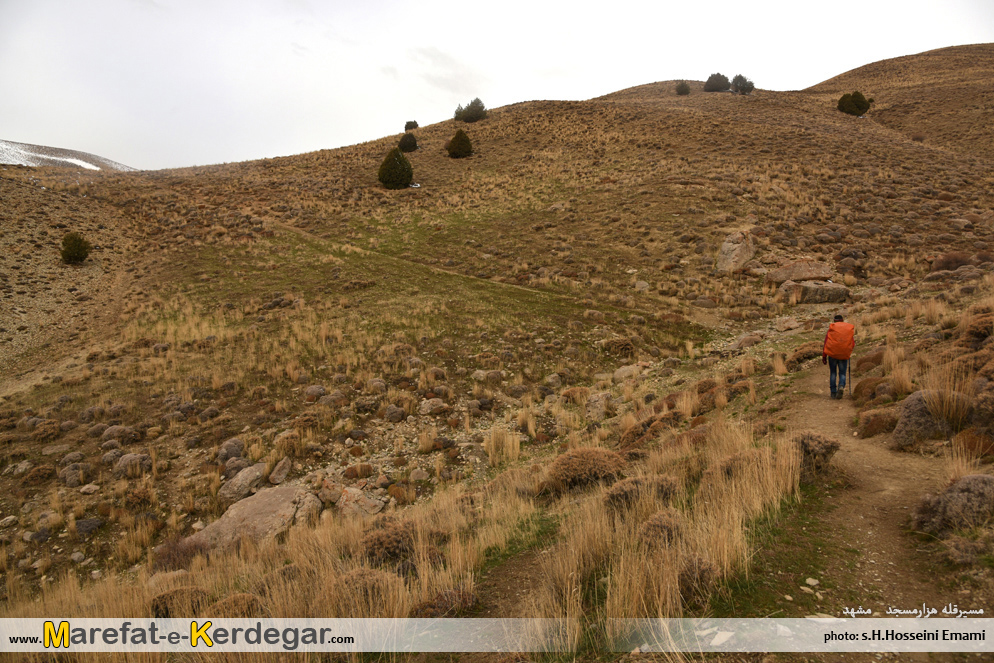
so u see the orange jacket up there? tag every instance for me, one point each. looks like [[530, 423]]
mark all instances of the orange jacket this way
[[839, 341]]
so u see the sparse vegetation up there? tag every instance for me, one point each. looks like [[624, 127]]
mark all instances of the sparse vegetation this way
[[682, 88], [396, 171], [408, 143], [717, 83], [853, 103], [75, 248], [410, 125], [742, 85], [473, 112], [459, 146]]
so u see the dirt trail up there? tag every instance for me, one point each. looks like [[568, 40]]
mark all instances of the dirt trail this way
[[872, 514]]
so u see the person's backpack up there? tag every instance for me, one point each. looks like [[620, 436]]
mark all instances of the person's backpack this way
[[840, 340]]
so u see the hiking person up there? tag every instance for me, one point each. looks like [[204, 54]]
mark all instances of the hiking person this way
[[840, 340]]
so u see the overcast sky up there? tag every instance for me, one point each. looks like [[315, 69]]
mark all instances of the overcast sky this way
[[167, 83]]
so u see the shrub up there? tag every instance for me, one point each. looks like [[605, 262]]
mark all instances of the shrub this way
[[409, 125], [742, 85], [661, 529], [473, 111], [460, 145], [75, 248], [967, 503], [408, 143], [853, 104], [582, 467], [395, 171], [682, 88], [717, 83]]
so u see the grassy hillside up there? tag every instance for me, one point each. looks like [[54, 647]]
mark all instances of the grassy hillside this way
[[532, 352]]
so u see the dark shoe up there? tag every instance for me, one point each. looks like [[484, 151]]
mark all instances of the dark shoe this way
[[834, 396]]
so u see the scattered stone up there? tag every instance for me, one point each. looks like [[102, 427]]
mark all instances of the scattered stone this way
[[801, 270], [434, 407], [241, 485], [76, 474], [132, 465], [280, 472], [231, 448], [813, 292], [735, 252], [89, 489], [355, 502]]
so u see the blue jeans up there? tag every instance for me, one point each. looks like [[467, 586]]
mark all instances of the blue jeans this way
[[840, 367]]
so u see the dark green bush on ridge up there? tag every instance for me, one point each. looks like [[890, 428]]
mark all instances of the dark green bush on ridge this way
[[75, 248], [408, 143], [409, 125], [396, 171], [682, 88], [460, 145], [717, 83], [742, 85], [853, 104], [474, 111]]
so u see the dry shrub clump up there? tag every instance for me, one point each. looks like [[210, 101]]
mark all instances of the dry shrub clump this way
[[625, 493], [968, 502], [581, 467], [661, 529], [366, 593]]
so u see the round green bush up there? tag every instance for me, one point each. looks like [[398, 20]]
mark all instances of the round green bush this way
[[717, 83], [396, 171], [460, 145], [75, 248], [742, 85], [853, 104], [473, 111], [408, 143], [409, 125], [682, 88]]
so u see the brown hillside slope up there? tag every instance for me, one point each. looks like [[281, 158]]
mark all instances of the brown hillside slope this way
[[943, 95]]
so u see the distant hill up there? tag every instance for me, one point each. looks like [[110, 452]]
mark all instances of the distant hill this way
[[23, 154], [942, 97]]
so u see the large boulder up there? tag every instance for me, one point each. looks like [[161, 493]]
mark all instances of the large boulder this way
[[916, 423], [241, 485], [599, 406], [262, 517], [966, 503], [801, 270], [813, 292], [735, 252]]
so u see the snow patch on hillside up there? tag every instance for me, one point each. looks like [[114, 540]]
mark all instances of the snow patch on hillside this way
[[23, 154]]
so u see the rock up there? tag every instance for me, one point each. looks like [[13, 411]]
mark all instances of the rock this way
[[434, 407], [394, 414], [241, 485], [234, 466], [967, 503], [599, 406], [813, 292], [916, 423], [786, 324], [801, 270], [735, 252], [8, 521], [76, 474], [418, 474], [745, 341], [132, 465], [376, 386], [280, 472], [158, 582], [625, 373], [86, 526], [89, 414], [261, 517], [331, 491], [478, 376], [705, 302], [209, 413], [54, 449], [96, 430], [89, 489], [232, 448], [355, 502], [77, 557], [313, 393]]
